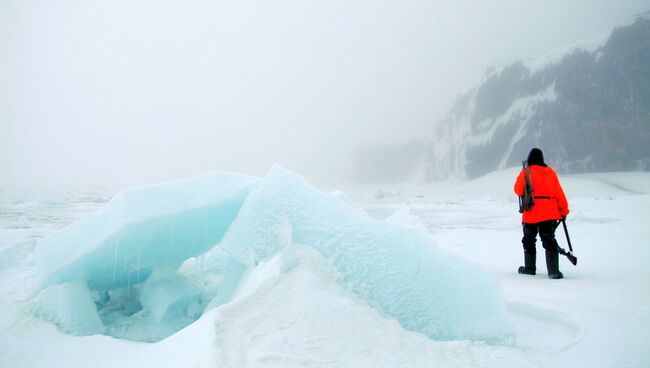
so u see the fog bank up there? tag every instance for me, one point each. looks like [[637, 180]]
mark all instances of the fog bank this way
[[130, 92]]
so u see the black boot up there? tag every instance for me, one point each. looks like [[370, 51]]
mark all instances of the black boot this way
[[529, 262], [552, 265]]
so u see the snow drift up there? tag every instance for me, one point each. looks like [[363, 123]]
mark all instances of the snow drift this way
[[127, 260]]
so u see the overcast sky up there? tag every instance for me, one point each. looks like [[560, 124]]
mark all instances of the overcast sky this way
[[126, 92]]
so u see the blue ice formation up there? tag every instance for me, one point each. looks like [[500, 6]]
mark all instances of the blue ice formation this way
[[126, 258], [397, 269], [8, 258], [114, 272], [166, 294], [143, 228], [70, 307]]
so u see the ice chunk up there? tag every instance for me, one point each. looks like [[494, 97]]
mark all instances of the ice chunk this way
[[233, 275], [70, 307], [405, 217], [166, 295], [397, 269], [143, 228], [8, 258], [347, 200]]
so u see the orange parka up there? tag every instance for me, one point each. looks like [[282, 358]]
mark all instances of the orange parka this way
[[550, 201]]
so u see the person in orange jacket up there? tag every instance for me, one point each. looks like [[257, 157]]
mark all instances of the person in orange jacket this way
[[550, 206]]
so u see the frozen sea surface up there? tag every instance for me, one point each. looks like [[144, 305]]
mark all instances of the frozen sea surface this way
[[117, 271], [290, 311]]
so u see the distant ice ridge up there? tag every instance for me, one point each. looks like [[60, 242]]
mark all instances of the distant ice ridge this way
[[126, 259]]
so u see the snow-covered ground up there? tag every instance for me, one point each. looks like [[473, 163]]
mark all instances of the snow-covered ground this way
[[292, 312]]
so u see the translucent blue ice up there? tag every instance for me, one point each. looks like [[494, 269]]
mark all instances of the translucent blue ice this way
[[8, 258], [121, 265], [167, 295], [397, 269], [70, 307], [142, 229]]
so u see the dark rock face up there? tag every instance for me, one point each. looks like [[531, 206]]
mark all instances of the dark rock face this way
[[588, 112]]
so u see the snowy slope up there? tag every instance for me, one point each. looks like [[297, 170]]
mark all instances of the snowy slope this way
[[586, 105], [291, 312]]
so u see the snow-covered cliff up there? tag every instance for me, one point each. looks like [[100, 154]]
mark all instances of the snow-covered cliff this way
[[587, 106]]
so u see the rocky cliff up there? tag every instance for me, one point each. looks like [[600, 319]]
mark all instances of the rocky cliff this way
[[586, 106]]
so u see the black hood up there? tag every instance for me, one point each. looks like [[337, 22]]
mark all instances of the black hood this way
[[536, 157]]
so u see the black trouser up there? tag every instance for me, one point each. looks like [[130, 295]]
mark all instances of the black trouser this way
[[546, 231]]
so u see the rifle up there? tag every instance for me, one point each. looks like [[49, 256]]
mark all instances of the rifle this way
[[527, 201], [573, 259]]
